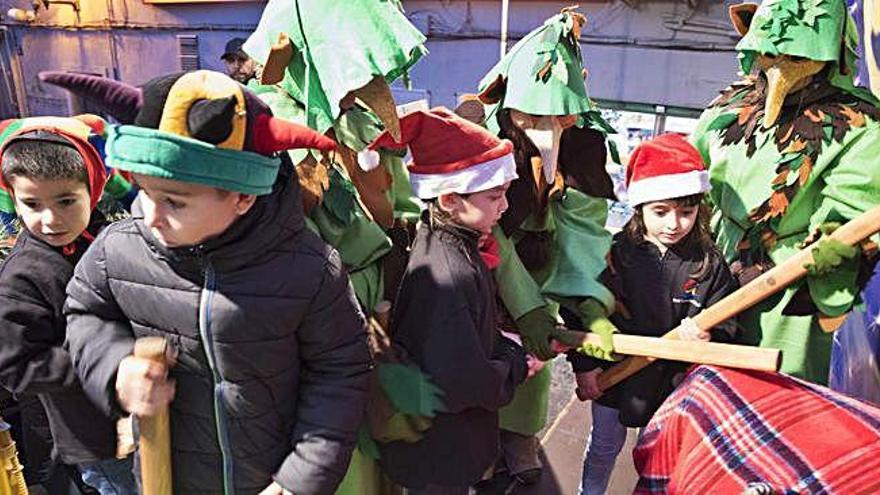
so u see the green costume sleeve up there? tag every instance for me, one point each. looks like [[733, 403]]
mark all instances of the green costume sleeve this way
[[516, 287], [582, 244], [406, 205], [849, 190], [361, 243]]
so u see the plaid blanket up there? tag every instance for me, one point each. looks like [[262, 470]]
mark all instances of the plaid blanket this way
[[724, 431]]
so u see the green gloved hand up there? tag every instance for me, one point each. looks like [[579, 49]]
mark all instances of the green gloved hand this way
[[829, 253], [595, 319], [536, 328]]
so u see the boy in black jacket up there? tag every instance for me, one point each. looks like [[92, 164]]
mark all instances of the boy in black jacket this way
[[445, 315], [55, 178], [268, 388]]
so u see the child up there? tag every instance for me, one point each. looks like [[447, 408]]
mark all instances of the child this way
[[272, 361], [444, 316], [664, 269], [55, 178]]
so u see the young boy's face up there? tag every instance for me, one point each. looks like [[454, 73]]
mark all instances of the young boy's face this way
[[54, 210], [186, 214], [480, 210]]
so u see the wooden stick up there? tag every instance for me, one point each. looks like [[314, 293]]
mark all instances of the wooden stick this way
[[730, 355], [769, 283], [11, 471], [155, 431]]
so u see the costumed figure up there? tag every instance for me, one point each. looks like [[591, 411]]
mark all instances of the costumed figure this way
[[792, 151], [328, 65], [552, 238], [754, 433]]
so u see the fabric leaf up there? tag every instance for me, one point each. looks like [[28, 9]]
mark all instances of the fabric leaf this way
[[612, 150], [723, 121], [410, 390], [744, 114], [778, 204], [817, 118], [805, 170], [796, 146], [828, 133], [780, 179], [339, 199], [854, 118]]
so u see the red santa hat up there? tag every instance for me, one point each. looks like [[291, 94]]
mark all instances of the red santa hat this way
[[665, 167], [449, 154]]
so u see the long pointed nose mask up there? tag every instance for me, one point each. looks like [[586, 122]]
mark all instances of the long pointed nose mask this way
[[785, 75], [544, 131]]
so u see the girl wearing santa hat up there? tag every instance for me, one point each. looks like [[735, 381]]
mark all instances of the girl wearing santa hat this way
[[664, 269], [444, 317]]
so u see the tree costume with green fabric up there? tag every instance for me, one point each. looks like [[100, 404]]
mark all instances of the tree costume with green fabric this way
[[328, 64], [792, 148], [552, 238]]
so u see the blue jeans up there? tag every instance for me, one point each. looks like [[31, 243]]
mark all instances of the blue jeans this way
[[607, 437], [110, 476]]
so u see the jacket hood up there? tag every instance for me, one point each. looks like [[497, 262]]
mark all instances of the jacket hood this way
[[85, 134]]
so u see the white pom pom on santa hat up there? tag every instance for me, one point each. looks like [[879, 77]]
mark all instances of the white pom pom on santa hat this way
[[368, 159]]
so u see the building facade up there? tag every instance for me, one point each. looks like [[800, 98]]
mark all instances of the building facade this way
[[655, 56]]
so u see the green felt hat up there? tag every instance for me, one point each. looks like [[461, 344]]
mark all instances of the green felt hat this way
[[337, 47], [812, 29], [819, 30], [543, 74]]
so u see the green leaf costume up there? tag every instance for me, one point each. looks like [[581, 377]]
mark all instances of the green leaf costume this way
[[340, 46], [543, 75], [771, 188]]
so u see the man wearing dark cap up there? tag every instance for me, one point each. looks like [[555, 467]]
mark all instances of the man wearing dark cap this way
[[238, 65]]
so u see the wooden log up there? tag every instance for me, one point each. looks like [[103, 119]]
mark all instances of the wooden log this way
[[729, 355], [155, 431], [762, 287]]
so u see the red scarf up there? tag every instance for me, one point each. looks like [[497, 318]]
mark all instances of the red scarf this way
[[489, 251]]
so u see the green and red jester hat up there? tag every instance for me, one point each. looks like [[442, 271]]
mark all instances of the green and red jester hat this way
[[200, 127]]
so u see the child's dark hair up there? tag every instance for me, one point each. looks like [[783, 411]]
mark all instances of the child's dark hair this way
[[42, 159], [698, 240]]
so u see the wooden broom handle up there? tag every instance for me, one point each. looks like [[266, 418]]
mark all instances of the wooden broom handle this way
[[762, 287], [714, 353], [155, 431]]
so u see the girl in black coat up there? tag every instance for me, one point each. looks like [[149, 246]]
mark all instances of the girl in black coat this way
[[664, 269]]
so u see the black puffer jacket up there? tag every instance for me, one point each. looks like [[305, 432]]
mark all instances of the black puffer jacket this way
[[273, 360], [32, 358], [445, 319]]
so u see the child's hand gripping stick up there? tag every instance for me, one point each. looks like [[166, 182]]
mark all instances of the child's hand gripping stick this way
[[155, 431]]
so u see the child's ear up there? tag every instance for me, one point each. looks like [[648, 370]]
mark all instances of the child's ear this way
[[244, 202], [450, 203]]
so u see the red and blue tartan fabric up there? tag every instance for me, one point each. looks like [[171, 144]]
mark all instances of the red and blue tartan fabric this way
[[724, 431]]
